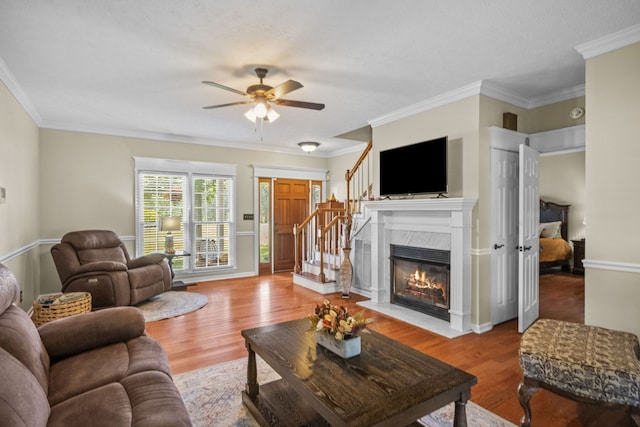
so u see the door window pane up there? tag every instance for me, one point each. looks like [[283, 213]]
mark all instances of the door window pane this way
[[265, 221]]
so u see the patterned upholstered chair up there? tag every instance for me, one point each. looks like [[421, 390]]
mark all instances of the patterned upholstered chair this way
[[583, 363]]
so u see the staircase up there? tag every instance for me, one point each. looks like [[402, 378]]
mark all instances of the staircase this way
[[322, 236]]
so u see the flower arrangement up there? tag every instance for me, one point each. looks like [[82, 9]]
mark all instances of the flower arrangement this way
[[337, 321]]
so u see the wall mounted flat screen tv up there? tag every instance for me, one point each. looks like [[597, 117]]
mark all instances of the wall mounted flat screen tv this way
[[419, 168]]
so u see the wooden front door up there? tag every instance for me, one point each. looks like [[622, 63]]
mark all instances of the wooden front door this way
[[291, 206]]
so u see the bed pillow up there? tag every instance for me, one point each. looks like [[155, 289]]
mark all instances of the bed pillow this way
[[550, 229]]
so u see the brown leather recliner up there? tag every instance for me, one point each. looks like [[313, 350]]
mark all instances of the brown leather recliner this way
[[96, 261]]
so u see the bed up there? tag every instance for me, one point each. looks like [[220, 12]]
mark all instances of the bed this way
[[554, 230]]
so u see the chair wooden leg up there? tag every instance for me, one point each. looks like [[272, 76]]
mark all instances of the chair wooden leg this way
[[524, 395]]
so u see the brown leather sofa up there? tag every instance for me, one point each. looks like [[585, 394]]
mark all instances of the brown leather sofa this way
[[96, 261], [94, 369]]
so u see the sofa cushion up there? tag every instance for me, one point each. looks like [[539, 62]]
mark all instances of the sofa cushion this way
[[147, 399], [87, 256], [18, 334], [155, 401], [83, 372], [72, 335], [9, 289], [92, 239], [17, 383], [19, 337], [98, 367], [587, 361], [105, 406]]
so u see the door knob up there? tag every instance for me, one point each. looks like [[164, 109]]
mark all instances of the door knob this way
[[497, 246]]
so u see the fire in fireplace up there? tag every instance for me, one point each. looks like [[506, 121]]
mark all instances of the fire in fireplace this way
[[420, 279]]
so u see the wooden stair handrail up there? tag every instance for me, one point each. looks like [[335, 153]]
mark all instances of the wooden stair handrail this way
[[348, 176], [321, 231]]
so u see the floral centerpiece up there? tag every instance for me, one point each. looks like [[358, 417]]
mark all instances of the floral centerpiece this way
[[336, 321]]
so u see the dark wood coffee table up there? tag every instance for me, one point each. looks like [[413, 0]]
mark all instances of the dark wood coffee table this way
[[388, 384]]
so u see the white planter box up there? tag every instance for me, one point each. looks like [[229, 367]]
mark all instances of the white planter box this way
[[343, 348]]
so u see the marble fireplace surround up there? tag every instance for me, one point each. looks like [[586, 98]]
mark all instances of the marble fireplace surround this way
[[429, 223]]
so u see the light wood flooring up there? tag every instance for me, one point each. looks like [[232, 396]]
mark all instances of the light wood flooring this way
[[211, 335]]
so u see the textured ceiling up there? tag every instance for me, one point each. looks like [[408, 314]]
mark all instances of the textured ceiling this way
[[135, 67]]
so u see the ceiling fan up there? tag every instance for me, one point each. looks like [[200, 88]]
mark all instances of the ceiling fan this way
[[262, 95]]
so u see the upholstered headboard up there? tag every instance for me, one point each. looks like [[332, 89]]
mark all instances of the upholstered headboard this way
[[550, 212]]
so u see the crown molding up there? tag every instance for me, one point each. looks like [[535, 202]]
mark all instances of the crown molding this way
[[480, 88], [559, 96], [429, 104], [10, 81], [185, 139], [610, 42], [501, 94]]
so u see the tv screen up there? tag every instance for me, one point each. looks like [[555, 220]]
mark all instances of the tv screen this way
[[419, 168]]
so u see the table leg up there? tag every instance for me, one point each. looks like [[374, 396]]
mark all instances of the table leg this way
[[252, 386], [170, 261], [460, 416]]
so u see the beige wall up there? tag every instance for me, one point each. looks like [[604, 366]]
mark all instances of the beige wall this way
[[338, 166], [88, 180], [468, 170], [562, 180], [19, 229], [458, 121], [612, 177], [554, 116]]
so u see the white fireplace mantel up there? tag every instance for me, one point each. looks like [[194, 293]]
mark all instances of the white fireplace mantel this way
[[431, 223]]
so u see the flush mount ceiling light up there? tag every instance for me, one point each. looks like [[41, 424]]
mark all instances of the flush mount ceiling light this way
[[261, 96], [308, 146]]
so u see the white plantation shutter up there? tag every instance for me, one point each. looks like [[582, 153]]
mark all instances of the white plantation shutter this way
[[200, 193], [162, 195], [212, 220]]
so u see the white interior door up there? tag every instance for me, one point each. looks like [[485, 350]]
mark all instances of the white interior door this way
[[528, 240], [504, 234]]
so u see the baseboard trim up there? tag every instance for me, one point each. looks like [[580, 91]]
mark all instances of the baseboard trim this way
[[481, 328]]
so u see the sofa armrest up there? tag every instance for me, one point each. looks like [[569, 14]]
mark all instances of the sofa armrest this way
[[144, 260], [76, 334]]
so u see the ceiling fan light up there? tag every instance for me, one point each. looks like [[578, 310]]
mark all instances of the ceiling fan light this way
[[260, 109], [272, 115], [308, 146], [251, 115]]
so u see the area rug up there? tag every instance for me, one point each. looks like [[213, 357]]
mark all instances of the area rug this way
[[171, 304], [212, 396]]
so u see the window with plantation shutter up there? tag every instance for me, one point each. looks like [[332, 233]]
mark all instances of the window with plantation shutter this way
[[202, 196], [211, 210]]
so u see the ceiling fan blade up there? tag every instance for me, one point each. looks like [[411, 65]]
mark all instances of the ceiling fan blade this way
[[299, 104], [283, 89], [226, 105], [218, 85]]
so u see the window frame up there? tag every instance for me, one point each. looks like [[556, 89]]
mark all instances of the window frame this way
[[191, 170]]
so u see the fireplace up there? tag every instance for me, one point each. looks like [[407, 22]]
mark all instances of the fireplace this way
[[420, 279], [441, 224]]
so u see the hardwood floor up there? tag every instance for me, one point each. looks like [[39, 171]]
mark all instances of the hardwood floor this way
[[211, 335]]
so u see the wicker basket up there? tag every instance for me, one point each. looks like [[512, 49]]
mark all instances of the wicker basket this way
[[57, 306]]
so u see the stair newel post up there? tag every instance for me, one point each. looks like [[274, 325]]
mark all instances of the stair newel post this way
[[297, 262]]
